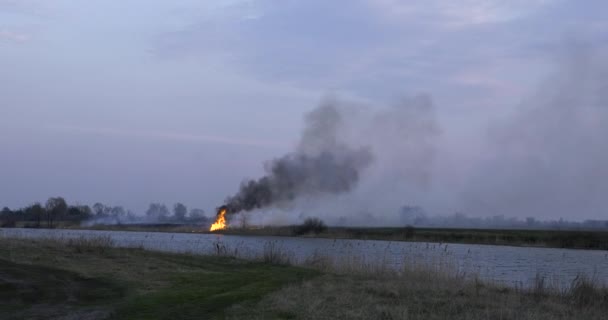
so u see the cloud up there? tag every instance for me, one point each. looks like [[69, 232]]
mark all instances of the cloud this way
[[26, 9], [169, 136], [459, 13], [13, 36], [374, 48]]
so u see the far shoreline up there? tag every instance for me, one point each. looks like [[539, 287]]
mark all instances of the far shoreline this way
[[561, 239]]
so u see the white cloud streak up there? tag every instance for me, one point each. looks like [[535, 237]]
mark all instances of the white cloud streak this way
[[168, 136], [459, 13], [13, 36]]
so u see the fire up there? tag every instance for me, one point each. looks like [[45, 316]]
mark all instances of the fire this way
[[220, 221]]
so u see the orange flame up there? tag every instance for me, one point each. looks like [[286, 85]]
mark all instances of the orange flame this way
[[220, 221]]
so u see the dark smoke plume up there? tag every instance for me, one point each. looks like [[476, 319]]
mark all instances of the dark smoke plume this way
[[321, 164]]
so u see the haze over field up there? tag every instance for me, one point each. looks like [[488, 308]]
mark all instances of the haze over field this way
[[482, 107]]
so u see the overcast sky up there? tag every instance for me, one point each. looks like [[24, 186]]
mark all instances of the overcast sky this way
[[134, 101]]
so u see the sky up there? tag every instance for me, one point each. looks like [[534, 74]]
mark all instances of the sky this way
[[131, 102]]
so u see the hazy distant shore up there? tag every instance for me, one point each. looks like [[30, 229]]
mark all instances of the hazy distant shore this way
[[567, 239]]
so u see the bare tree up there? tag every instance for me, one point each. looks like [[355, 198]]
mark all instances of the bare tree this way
[[157, 211], [37, 211], [56, 208], [179, 211], [197, 214], [99, 209]]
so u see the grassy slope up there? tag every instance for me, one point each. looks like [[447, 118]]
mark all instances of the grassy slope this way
[[42, 280], [30, 292], [420, 295], [58, 281]]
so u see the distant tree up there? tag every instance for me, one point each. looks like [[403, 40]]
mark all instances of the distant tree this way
[[163, 212], [131, 216], [56, 208], [180, 211], [7, 218], [310, 225], [81, 212], [6, 212], [157, 211], [197, 214], [78, 212], [35, 212], [152, 211], [73, 213], [98, 209], [85, 211], [118, 212]]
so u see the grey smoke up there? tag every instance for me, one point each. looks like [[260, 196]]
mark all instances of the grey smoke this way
[[546, 160], [549, 159], [322, 164], [353, 158]]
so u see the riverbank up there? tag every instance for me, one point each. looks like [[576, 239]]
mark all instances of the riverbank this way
[[89, 278], [597, 240], [566, 239]]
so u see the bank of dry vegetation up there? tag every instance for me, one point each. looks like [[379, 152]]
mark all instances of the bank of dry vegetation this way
[[89, 278]]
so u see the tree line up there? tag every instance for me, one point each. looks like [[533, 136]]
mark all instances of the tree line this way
[[56, 211]]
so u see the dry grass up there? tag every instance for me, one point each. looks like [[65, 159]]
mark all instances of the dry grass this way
[[90, 244], [275, 254], [414, 296], [356, 289]]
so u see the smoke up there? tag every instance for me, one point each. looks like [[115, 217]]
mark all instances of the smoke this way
[[350, 158], [549, 159], [322, 164], [362, 164]]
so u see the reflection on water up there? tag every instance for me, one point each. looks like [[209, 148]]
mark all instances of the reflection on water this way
[[516, 266]]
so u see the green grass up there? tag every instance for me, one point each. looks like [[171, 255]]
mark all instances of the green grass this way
[[128, 283], [29, 291]]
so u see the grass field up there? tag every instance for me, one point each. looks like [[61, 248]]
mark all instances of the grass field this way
[[51, 280], [90, 279]]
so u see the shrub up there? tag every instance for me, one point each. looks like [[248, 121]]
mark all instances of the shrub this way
[[585, 292], [409, 232], [8, 224], [310, 225], [274, 254], [90, 244]]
